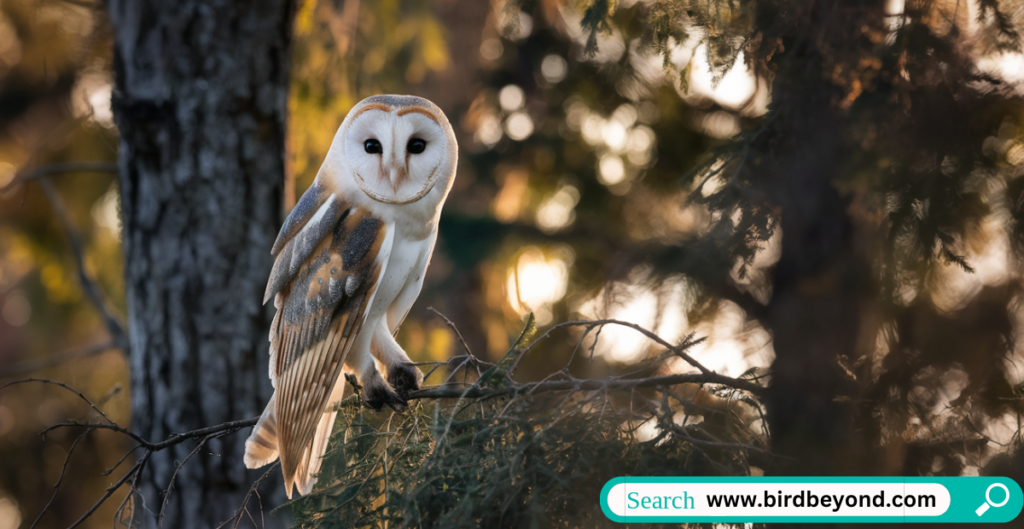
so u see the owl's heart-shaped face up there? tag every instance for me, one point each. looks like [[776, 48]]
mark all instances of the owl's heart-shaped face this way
[[397, 154]]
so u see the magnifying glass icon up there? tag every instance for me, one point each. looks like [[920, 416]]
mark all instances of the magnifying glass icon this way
[[988, 499]]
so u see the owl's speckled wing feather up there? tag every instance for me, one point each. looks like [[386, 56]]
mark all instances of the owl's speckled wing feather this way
[[330, 257]]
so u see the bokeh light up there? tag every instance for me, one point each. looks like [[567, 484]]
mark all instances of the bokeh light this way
[[17, 309], [556, 212], [611, 170], [10, 515], [511, 98], [537, 281], [519, 126], [553, 68]]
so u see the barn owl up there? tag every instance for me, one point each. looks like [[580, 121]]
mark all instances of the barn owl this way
[[349, 263]]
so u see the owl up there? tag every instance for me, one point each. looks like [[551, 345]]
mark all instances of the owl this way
[[349, 263]]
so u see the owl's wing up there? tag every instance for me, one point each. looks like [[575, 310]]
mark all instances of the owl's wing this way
[[330, 258]]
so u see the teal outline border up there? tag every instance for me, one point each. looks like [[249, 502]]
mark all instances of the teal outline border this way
[[958, 487]]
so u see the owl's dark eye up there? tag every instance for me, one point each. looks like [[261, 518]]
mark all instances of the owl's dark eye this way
[[373, 146], [416, 146]]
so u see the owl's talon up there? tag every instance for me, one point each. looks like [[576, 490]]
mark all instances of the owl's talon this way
[[377, 393], [405, 378]]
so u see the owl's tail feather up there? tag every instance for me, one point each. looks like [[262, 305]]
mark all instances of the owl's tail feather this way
[[261, 446], [305, 475]]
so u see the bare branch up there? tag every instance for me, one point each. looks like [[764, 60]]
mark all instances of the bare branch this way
[[114, 326], [449, 392], [679, 350], [237, 517], [55, 359], [170, 484], [60, 479], [455, 329], [487, 386], [342, 25], [100, 426], [80, 3], [59, 168], [225, 428], [137, 468], [471, 359], [59, 384], [175, 439], [127, 454]]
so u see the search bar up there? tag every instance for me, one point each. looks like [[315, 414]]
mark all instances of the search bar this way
[[812, 499]]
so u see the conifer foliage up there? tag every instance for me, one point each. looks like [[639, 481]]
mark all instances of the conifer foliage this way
[[505, 454]]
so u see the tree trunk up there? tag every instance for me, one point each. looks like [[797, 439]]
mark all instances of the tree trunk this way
[[200, 101], [822, 280]]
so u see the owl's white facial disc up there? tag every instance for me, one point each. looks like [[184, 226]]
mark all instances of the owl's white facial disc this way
[[397, 155]]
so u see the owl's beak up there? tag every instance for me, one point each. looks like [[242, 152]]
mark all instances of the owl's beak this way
[[396, 172]]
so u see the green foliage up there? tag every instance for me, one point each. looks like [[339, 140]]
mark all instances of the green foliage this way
[[890, 161], [521, 459]]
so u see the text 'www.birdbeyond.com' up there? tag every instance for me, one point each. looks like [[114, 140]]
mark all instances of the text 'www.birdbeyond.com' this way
[[809, 499]]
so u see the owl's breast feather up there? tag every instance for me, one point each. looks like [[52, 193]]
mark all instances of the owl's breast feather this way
[[406, 262]]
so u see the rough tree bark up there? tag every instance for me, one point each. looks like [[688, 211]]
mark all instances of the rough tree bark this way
[[200, 100]]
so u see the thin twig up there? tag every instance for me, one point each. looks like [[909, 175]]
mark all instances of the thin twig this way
[[679, 350], [99, 426], [110, 470], [62, 385], [80, 3], [237, 517], [110, 490], [170, 484], [444, 392], [59, 168], [60, 479], [92, 290], [55, 359], [482, 388], [455, 329], [178, 438]]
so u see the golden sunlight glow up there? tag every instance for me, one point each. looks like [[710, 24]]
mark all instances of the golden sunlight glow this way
[[987, 252], [755, 278], [639, 305], [91, 97], [1009, 66], [610, 170], [614, 135], [591, 128], [734, 89], [1002, 429], [10, 515], [7, 173], [536, 282], [733, 343], [610, 44], [557, 212], [488, 131], [617, 138], [512, 195], [105, 212]]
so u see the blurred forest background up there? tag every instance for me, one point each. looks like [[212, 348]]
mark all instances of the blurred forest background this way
[[829, 192]]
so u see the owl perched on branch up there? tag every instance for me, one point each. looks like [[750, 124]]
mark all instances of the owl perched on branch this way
[[350, 261]]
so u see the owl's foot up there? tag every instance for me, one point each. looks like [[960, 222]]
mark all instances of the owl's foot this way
[[405, 378], [377, 393]]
